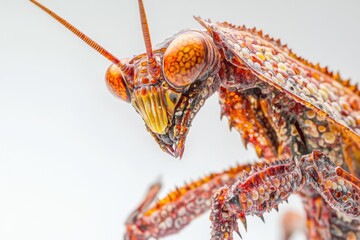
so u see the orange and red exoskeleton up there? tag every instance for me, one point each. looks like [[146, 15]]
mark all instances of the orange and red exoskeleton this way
[[303, 121]]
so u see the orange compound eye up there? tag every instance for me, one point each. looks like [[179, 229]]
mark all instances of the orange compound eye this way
[[184, 59], [116, 84]]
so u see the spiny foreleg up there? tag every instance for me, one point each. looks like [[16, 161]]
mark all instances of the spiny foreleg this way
[[265, 188], [175, 211]]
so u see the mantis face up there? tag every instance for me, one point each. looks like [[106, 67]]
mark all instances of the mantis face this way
[[169, 91], [167, 87]]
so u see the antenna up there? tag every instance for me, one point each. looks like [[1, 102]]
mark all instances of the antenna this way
[[153, 68], [86, 39]]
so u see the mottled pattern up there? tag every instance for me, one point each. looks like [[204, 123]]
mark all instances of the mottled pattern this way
[[265, 188], [116, 83], [256, 194], [175, 211], [244, 115], [281, 123], [317, 217], [285, 106], [184, 59], [342, 227], [278, 66], [167, 110], [325, 223]]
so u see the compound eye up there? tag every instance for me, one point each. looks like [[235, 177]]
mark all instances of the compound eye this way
[[184, 59], [116, 84]]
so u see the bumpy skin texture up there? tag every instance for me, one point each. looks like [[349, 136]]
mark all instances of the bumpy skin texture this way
[[300, 121], [287, 108], [172, 213], [184, 59], [265, 188]]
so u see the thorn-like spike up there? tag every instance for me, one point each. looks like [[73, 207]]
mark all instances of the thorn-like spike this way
[[243, 177], [243, 220], [337, 76], [276, 208], [258, 151], [287, 201], [231, 124], [222, 114], [238, 233], [262, 218], [253, 170], [245, 141], [326, 69]]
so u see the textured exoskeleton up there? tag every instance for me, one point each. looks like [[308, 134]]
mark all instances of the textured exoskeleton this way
[[303, 121]]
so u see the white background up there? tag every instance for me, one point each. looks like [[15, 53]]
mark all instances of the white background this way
[[74, 161]]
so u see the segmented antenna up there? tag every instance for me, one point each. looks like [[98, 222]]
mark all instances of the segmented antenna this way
[[83, 37], [152, 64]]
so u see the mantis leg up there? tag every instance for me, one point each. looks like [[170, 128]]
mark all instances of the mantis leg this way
[[175, 211], [267, 187]]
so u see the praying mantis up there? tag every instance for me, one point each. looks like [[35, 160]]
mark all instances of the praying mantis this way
[[158, 128]]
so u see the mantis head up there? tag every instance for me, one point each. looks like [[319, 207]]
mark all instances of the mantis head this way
[[167, 87], [170, 89]]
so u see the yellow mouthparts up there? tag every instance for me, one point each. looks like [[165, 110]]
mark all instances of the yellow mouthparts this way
[[149, 103]]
